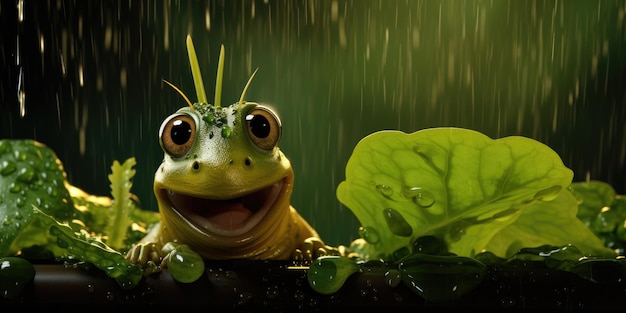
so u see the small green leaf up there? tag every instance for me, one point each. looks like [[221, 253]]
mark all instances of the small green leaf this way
[[82, 246], [121, 183]]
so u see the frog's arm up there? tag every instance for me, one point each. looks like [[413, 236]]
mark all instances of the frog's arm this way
[[148, 250], [309, 245]]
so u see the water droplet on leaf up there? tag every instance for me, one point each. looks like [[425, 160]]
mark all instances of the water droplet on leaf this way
[[441, 278], [369, 234], [385, 190], [548, 194], [396, 223], [7, 167], [15, 274], [327, 274], [421, 197], [392, 277]]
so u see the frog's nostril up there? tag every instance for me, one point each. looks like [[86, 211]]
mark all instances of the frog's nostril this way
[[195, 165], [248, 161]]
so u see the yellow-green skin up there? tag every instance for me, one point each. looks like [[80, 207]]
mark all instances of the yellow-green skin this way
[[222, 164]]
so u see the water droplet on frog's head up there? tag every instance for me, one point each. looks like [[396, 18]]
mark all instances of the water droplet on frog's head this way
[[226, 131], [385, 190], [420, 196], [369, 234], [396, 223], [548, 194]]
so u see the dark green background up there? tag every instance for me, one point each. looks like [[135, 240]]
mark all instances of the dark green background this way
[[334, 70]]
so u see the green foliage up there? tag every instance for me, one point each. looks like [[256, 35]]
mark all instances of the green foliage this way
[[67, 222], [30, 174], [603, 211], [474, 192]]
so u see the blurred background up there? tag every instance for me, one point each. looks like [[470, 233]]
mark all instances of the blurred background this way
[[85, 78]]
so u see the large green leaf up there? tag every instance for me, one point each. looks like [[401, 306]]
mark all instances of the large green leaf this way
[[457, 184]]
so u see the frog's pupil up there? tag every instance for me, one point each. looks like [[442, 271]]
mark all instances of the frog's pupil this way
[[260, 126], [181, 131]]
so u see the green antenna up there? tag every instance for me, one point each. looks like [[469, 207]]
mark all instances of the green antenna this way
[[195, 71], [218, 80]]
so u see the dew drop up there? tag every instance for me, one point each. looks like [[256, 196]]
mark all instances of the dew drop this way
[[26, 175], [396, 223], [421, 197], [226, 131], [62, 243], [298, 295], [184, 264], [398, 297], [272, 292], [441, 278], [392, 277], [15, 274], [244, 298], [457, 230], [385, 190], [369, 234], [7, 168], [507, 302], [400, 253], [19, 155], [548, 194], [328, 273], [209, 119], [15, 188], [429, 245]]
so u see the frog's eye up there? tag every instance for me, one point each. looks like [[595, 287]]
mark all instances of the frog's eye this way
[[263, 128], [177, 134]]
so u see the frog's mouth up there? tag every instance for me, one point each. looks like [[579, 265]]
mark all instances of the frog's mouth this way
[[229, 217]]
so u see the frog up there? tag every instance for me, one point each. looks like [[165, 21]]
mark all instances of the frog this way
[[224, 186]]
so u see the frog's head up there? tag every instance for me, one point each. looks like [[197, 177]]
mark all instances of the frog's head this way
[[223, 185], [222, 175]]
